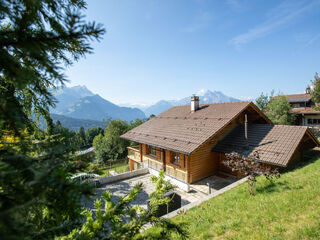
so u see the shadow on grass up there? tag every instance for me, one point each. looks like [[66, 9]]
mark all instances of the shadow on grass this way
[[274, 186]]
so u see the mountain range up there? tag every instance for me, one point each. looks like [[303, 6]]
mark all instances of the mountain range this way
[[78, 106], [80, 103], [206, 96]]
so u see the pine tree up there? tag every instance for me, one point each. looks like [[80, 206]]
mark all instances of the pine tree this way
[[37, 40], [315, 90], [82, 136]]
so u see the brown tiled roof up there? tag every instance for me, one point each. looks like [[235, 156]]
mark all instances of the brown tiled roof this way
[[305, 97], [275, 144], [304, 110], [180, 130]]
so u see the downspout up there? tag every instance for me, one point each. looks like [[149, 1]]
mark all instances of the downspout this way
[[246, 130]]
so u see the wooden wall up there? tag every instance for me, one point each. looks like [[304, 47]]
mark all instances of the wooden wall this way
[[204, 162]]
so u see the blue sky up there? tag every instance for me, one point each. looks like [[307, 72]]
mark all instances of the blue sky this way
[[169, 49]]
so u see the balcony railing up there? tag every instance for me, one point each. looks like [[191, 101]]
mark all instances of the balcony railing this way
[[152, 163], [134, 153], [171, 171], [176, 173]]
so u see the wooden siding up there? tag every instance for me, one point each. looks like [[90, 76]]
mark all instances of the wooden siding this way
[[204, 162]]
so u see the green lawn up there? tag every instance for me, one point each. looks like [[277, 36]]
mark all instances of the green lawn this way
[[288, 209], [124, 167], [104, 169]]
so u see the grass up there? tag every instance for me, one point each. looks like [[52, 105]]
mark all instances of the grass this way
[[289, 208], [124, 167], [104, 169]]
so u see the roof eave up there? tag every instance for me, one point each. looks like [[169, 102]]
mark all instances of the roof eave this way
[[259, 160], [154, 145], [311, 135]]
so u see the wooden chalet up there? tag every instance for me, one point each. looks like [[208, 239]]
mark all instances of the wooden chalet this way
[[302, 106], [189, 142]]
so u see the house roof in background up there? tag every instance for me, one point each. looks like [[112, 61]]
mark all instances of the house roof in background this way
[[275, 144], [295, 98], [179, 129], [304, 110], [84, 152]]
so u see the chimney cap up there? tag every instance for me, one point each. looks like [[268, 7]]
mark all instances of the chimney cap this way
[[194, 97]]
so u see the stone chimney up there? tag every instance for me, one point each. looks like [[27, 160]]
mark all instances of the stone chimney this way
[[194, 103], [308, 90]]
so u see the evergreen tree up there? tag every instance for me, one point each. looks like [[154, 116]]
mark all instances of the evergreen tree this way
[[91, 133], [37, 40], [278, 110], [262, 101], [82, 137], [315, 90]]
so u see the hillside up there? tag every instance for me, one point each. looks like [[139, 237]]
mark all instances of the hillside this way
[[96, 108], [79, 102], [67, 96], [206, 96], [287, 209], [73, 123]]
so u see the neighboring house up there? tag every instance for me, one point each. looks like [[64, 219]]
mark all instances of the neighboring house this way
[[189, 142], [87, 154], [302, 106]]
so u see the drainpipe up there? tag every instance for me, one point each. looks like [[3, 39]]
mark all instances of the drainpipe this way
[[246, 130]]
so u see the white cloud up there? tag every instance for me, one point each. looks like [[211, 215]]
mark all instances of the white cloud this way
[[247, 98], [280, 16], [312, 40]]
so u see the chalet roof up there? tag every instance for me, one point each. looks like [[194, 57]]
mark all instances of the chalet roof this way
[[179, 129], [275, 144], [295, 98], [304, 110]]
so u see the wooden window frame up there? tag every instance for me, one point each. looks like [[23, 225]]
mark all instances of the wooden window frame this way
[[176, 156], [151, 148]]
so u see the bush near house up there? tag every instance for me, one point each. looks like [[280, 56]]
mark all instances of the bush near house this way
[[287, 209]]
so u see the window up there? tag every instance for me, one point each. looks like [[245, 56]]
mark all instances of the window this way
[[313, 121], [152, 151], [295, 105], [176, 158]]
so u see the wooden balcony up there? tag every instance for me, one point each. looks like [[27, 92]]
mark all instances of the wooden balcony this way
[[134, 153], [170, 170], [153, 163], [177, 173]]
